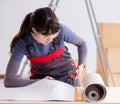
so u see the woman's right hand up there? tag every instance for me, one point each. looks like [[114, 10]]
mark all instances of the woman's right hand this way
[[49, 77], [79, 71]]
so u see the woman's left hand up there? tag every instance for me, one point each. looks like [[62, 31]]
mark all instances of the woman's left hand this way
[[49, 77]]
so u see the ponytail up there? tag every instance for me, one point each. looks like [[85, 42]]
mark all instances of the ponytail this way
[[24, 29]]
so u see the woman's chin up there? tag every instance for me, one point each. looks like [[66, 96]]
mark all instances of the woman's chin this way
[[45, 43]]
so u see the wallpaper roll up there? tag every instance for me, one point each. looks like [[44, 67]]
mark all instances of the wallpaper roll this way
[[94, 87]]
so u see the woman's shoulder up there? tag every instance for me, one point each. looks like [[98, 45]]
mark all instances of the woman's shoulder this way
[[20, 41], [24, 40], [62, 26], [65, 28], [66, 33]]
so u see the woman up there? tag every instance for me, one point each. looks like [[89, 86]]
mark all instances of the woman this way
[[41, 38]]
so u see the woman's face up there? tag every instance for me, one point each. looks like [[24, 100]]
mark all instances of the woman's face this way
[[44, 39]]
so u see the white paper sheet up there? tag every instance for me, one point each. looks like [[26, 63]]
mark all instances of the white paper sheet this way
[[42, 90]]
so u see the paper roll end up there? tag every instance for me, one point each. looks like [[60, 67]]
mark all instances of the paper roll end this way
[[95, 93], [94, 87]]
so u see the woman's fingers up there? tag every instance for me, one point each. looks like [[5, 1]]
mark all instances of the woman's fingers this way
[[49, 77], [79, 71]]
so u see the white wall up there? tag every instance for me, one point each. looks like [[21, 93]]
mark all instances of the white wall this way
[[70, 12]]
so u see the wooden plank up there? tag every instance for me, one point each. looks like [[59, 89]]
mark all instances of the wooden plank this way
[[110, 34], [116, 78], [114, 59]]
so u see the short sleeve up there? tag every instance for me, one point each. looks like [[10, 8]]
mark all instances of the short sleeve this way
[[18, 51], [67, 34]]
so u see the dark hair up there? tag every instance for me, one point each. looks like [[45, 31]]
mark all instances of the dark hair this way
[[43, 20]]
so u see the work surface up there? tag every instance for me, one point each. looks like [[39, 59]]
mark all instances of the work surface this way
[[113, 96], [52, 92]]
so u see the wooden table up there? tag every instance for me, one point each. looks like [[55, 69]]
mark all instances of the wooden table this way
[[113, 96]]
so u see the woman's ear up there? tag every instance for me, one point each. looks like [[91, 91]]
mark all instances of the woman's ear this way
[[33, 30]]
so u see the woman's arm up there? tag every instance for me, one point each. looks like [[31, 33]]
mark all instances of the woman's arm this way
[[82, 49], [82, 54], [11, 79], [70, 37]]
